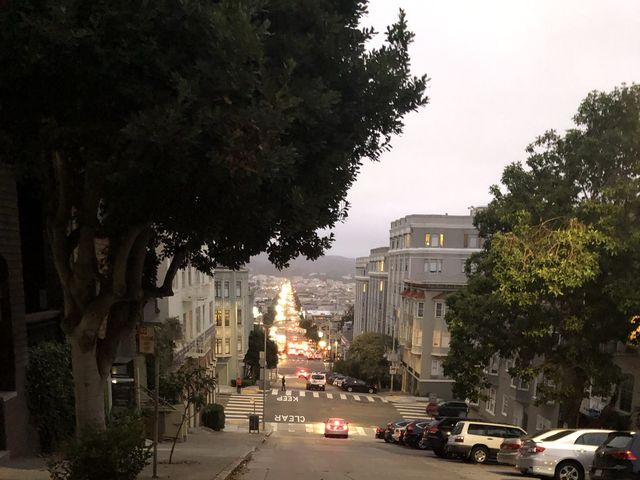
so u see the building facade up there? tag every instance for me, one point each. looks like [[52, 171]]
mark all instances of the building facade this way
[[233, 319]]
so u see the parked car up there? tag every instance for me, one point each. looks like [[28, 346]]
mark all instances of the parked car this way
[[479, 441], [566, 454], [617, 457], [398, 434], [316, 381], [355, 385], [413, 433], [380, 433], [510, 447], [436, 434], [390, 429], [338, 380], [451, 408], [336, 427]]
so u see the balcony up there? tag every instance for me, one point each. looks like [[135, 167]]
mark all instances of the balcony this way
[[195, 293], [196, 348]]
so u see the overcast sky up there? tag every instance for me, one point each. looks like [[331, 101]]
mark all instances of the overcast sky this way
[[502, 72]]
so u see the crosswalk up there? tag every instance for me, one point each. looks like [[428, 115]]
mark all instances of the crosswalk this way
[[315, 428], [411, 410], [239, 407], [329, 395]]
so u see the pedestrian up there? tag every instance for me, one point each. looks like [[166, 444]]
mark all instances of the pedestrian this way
[[284, 386]]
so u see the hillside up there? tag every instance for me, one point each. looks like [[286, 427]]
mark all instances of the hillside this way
[[329, 266]]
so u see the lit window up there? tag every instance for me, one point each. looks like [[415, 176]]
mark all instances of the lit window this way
[[218, 317], [227, 316], [218, 346], [381, 287], [227, 346], [437, 338]]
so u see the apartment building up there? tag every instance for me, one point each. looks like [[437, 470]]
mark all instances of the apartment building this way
[[233, 318], [426, 260], [371, 293]]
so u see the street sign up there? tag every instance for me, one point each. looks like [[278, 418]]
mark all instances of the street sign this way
[[146, 342], [393, 370]]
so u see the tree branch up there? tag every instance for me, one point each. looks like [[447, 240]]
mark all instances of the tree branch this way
[[121, 261], [166, 290], [58, 219], [137, 257]]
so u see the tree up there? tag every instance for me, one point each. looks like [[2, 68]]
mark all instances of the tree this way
[[195, 132], [367, 357], [311, 330], [194, 384], [347, 317], [558, 276], [256, 345]]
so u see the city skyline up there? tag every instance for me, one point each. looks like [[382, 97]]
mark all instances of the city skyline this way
[[501, 73]]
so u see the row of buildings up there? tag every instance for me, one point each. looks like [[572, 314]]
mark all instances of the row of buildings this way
[[401, 290]]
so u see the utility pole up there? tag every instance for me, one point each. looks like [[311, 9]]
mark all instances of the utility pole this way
[[264, 376], [156, 401]]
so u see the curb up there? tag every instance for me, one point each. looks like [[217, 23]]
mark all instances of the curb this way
[[235, 465]]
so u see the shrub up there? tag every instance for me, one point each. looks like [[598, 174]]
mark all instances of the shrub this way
[[116, 453], [50, 393], [213, 416]]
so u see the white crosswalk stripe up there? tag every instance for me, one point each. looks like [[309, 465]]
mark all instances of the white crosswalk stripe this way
[[274, 391], [370, 398], [411, 411], [302, 394], [329, 395], [241, 406], [356, 398], [310, 428], [343, 396], [316, 395]]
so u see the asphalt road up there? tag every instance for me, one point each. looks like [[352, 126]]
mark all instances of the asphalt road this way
[[298, 455]]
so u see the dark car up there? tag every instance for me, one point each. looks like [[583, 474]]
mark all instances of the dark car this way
[[413, 433], [391, 426], [355, 385], [436, 434], [451, 408], [617, 457]]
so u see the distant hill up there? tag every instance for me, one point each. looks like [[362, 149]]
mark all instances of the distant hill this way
[[329, 266]]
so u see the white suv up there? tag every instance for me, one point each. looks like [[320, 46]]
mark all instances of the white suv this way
[[316, 381], [479, 441]]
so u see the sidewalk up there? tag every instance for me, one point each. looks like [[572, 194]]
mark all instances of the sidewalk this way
[[206, 455]]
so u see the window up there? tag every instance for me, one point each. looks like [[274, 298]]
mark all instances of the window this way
[[226, 290], [239, 346], [434, 240], [227, 346], [239, 316], [227, 316], [364, 288], [218, 317], [218, 288], [522, 385], [439, 309], [420, 312], [210, 313], [494, 365], [437, 338], [436, 367], [381, 286], [433, 265], [475, 429], [446, 339], [505, 404], [471, 241], [198, 320], [407, 240], [238, 289], [218, 346], [594, 439], [514, 382], [491, 401]]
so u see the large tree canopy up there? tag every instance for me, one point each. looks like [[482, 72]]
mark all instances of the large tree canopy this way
[[559, 275], [202, 131]]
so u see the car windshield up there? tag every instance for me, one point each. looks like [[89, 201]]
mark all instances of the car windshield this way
[[317, 377], [558, 435]]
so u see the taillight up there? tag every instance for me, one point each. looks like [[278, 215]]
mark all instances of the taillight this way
[[537, 449], [433, 430], [459, 439], [623, 455], [409, 429], [510, 446]]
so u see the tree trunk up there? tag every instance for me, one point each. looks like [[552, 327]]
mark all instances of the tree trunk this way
[[88, 385]]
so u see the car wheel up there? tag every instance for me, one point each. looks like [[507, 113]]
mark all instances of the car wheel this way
[[524, 471], [387, 439], [350, 389], [569, 471], [479, 454], [371, 390], [439, 452]]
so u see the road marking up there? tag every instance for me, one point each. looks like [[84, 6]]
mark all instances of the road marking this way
[[288, 392], [384, 400], [343, 396], [302, 393], [309, 427], [292, 427], [329, 395], [316, 394], [370, 398], [360, 431], [274, 391], [319, 427], [356, 397]]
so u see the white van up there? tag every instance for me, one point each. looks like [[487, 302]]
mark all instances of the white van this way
[[316, 381], [479, 441]]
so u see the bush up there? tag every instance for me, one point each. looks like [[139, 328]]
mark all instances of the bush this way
[[50, 393], [213, 416], [116, 453]]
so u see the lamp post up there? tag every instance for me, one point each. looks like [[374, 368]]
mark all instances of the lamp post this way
[[264, 377]]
